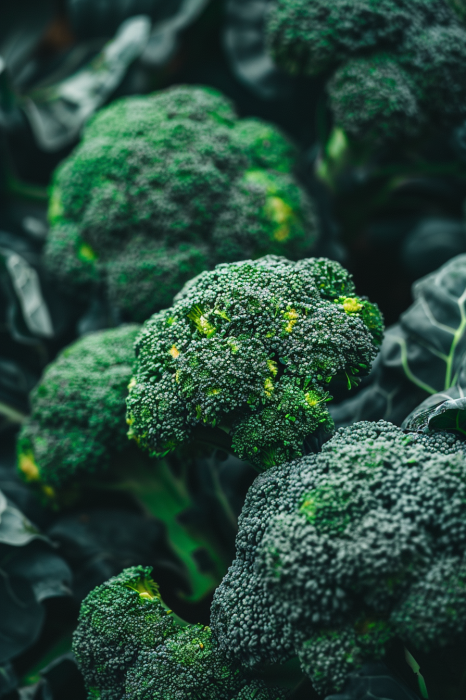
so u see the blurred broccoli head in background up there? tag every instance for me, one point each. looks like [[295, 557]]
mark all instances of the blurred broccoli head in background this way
[[77, 421], [397, 65], [248, 352], [165, 186], [342, 553]]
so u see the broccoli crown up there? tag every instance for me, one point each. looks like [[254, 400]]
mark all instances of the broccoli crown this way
[[341, 552], [77, 420], [189, 665], [312, 36], [127, 644], [399, 65], [167, 185], [375, 95], [250, 348], [117, 621]]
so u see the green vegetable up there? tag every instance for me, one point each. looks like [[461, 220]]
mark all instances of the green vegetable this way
[[395, 67], [165, 186], [76, 438], [77, 420], [343, 554], [129, 644], [246, 356]]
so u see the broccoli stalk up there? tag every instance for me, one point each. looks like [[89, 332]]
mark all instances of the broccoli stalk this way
[[164, 495]]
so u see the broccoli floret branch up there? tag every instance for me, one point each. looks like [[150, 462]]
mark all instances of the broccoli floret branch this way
[[128, 644]]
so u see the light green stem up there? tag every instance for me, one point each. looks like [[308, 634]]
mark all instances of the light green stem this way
[[165, 497], [456, 339]]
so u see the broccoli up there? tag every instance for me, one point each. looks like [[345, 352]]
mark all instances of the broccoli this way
[[373, 95], [396, 68], [245, 356], [165, 186], [76, 438], [128, 644], [77, 423], [340, 554]]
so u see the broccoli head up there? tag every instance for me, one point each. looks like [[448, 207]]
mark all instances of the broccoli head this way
[[165, 186], [312, 36], [77, 421], [375, 96], [117, 621], [398, 66], [76, 439], [246, 355], [127, 644], [340, 553]]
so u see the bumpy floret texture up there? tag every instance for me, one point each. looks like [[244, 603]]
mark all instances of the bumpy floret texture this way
[[189, 666], [251, 348], [341, 552], [165, 186], [77, 421], [118, 621], [375, 95], [399, 64], [128, 645]]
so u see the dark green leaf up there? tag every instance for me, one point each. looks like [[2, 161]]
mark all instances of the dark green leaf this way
[[30, 572], [421, 355], [15, 528], [443, 411]]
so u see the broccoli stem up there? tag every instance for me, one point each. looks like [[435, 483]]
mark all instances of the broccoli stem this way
[[164, 496]]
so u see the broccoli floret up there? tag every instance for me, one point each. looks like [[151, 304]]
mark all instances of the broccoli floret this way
[[165, 186], [188, 665], [312, 36], [375, 96], [399, 64], [77, 422], [247, 354], [340, 553], [117, 621], [127, 644], [76, 438]]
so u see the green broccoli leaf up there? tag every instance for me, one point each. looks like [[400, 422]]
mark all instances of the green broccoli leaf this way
[[450, 415], [30, 572], [421, 355], [15, 528]]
